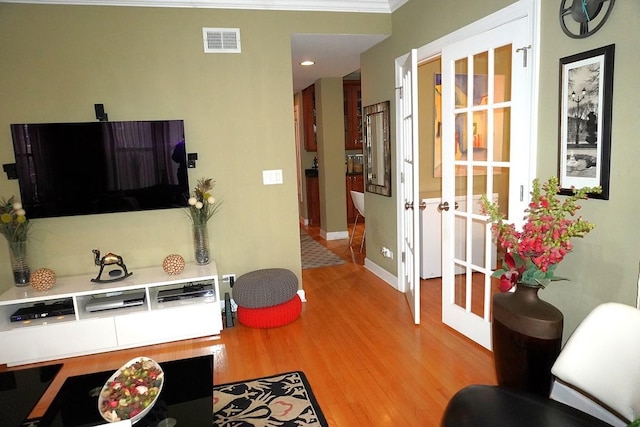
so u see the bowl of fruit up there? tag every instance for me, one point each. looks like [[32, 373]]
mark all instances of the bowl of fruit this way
[[132, 390]]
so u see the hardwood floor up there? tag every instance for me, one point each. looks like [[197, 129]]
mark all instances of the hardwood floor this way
[[367, 363]]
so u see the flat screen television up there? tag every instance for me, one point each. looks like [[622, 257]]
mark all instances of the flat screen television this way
[[67, 169]]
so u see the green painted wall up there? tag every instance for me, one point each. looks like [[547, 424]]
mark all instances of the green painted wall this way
[[331, 157], [604, 266], [148, 63]]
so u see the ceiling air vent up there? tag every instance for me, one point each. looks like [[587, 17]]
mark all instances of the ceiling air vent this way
[[221, 40]]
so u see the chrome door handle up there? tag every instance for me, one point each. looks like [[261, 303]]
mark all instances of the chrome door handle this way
[[444, 206], [409, 205]]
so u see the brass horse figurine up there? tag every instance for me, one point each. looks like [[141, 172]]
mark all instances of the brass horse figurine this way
[[109, 259]]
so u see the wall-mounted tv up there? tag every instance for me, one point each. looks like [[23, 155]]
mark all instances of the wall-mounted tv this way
[[67, 169]]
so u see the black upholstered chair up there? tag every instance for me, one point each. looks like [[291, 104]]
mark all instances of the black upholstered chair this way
[[493, 406]]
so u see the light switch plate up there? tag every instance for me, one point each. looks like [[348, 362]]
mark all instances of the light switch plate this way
[[271, 177]]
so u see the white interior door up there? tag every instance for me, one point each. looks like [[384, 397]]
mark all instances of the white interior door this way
[[408, 191], [484, 151]]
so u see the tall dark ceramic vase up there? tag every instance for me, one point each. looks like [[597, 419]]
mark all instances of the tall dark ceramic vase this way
[[527, 338]]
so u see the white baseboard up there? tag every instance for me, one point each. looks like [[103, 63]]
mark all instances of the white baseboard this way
[[381, 273], [334, 235]]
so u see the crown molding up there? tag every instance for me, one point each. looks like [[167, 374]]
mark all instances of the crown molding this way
[[395, 4], [362, 6]]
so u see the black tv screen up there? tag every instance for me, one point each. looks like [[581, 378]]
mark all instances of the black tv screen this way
[[67, 169]]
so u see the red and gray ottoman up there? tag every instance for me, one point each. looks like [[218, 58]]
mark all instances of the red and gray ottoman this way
[[267, 298]]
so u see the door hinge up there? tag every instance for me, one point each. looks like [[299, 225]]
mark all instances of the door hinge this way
[[521, 193], [401, 177], [399, 89], [403, 256]]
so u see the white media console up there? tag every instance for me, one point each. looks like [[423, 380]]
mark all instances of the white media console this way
[[87, 332]]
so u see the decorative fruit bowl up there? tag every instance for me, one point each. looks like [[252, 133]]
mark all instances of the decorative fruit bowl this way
[[131, 391]]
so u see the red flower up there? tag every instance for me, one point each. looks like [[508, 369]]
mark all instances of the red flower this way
[[511, 276], [545, 237]]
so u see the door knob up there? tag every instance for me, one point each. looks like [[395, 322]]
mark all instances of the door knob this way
[[409, 205], [444, 206]]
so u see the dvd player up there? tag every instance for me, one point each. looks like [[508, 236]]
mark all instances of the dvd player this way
[[185, 292], [42, 310], [130, 299]]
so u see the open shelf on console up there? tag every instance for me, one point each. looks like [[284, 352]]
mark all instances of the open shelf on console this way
[[36, 313]]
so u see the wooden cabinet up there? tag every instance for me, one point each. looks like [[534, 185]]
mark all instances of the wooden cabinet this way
[[309, 118], [313, 200], [355, 182], [352, 115]]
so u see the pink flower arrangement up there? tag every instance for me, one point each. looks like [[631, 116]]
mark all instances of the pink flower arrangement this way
[[532, 254]]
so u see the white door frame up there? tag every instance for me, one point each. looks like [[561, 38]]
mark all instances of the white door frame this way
[[430, 51]]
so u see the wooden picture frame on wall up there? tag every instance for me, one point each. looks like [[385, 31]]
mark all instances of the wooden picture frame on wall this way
[[586, 95]]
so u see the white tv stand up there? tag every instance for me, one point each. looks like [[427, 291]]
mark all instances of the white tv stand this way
[[84, 333]]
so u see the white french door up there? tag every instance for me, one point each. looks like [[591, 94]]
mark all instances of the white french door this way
[[484, 151], [408, 191]]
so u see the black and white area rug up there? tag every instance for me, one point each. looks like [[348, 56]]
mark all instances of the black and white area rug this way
[[284, 400], [314, 255]]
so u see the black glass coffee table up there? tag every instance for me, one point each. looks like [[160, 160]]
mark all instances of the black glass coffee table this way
[[20, 390], [186, 398]]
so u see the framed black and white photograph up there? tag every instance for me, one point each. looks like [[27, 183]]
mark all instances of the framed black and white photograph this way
[[586, 92]]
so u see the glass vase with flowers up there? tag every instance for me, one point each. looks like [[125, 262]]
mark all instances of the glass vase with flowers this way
[[14, 226], [202, 206], [527, 331]]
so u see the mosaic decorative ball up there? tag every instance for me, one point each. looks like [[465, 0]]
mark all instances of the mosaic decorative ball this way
[[43, 279], [173, 264]]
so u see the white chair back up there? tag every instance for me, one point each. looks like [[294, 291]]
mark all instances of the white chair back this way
[[598, 369], [358, 201]]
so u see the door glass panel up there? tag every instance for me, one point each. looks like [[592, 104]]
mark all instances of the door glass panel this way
[[480, 79], [501, 134], [460, 286], [501, 180], [461, 190], [462, 141], [480, 132], [478, 288], [461, 67], [460, 242], [502, 78]]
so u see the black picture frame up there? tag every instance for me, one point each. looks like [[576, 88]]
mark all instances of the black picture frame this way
[[586, 97]]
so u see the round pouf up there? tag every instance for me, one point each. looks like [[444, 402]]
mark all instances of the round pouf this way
[[265, 288], [43, 279], [270, 317]]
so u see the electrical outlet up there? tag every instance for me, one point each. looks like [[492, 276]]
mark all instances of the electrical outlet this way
[[386, 252], [226, 278]]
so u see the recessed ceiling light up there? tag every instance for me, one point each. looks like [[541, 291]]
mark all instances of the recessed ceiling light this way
[[307, 63]]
